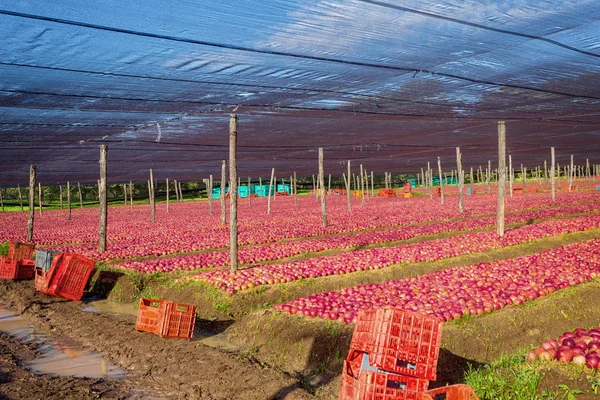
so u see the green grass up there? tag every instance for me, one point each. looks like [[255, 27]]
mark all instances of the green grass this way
[[509, 378], [4, 248]]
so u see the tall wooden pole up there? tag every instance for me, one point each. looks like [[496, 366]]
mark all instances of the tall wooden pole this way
[[131, 194], [152, 202], [40, 201], [489, 176], [249, 189], [61, 196], [545, 173], [167, 183], [460, 180], [501, 177], [80, 195], [270, 189], [20, 196], [329, 184], [372, 188], [511, 176], [180, 192], [68, 200], [124, 194], [442, 180], [348, 189], [362, 186], [571, 174], [295, 190], [315, 187], [103, 202], [209, 189], [233, 220], [222, 197], [552, 173], [31, 203], [322, 183]]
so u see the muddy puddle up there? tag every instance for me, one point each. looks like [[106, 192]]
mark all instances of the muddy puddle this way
[[60, 355]]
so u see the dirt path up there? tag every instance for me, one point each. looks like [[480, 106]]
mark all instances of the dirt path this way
[[177, 369]]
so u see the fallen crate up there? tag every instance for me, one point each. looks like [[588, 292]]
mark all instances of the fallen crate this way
[[13, 269], [166, 318], [66, 278], [454, 392]]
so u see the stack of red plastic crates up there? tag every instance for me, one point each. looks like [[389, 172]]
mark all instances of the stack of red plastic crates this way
[[166, 318], [67, 276], [393, 355], [18, 264]]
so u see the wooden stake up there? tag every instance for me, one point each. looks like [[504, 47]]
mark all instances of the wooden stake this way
[[460, 180], [571, 175], [103, 200], [472, 181], [271, 188], [315, 188], [222, 196], [442, 180], [152, 202], [61, 196], [209, 190], [68, 200], [362, 186], [501, 177], [80, 195], [552, 173], [20, 196], [372, 188], [31, 203], [233, 220], [180, 192], [545, 173], [295, 190], [429, 174], [125, 194], [41, 204], [511, 175], [167, 183], [329, 185], [131, 194], [250, 197], [322, 184], [489, 176], [348, 189]]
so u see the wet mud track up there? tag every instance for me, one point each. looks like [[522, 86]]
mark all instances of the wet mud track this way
[[167, 368]]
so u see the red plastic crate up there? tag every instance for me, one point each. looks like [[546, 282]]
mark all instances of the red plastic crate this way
[[20, 251], [151, 316], [71, 276], [454, 392], [166, 318], [371, 385], [180, 321], [42, 279], [397, 341], [13, 269]]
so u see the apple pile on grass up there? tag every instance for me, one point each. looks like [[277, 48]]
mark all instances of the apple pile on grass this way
[[581, 347], [377, 258], [456, 292]]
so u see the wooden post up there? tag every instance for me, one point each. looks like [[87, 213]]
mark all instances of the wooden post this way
[[472, 181], [430, 180], [131, 194], [423, 181], [501, 177], [511, 176], [222, 196], [176, 190], [348, 189], [20, 196], [167, 183], [315, 187], [372, 188], [322, 183], [489, 176], [152, 202], [329, 185], [250, 197], [149, 193], [271, 188], [40, 198], [68, 200], [61, 196], [124, 194], [362, 186], [180, 192], [103, 205], [80, 195], [274, 187], [460, 180], [209, 189], [233, 220], [295, 190], [552, 173], [571, 174], [31, 203], [545, 173], [442, 180]]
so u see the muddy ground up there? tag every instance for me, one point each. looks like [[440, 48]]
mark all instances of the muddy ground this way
[[171, 368]]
